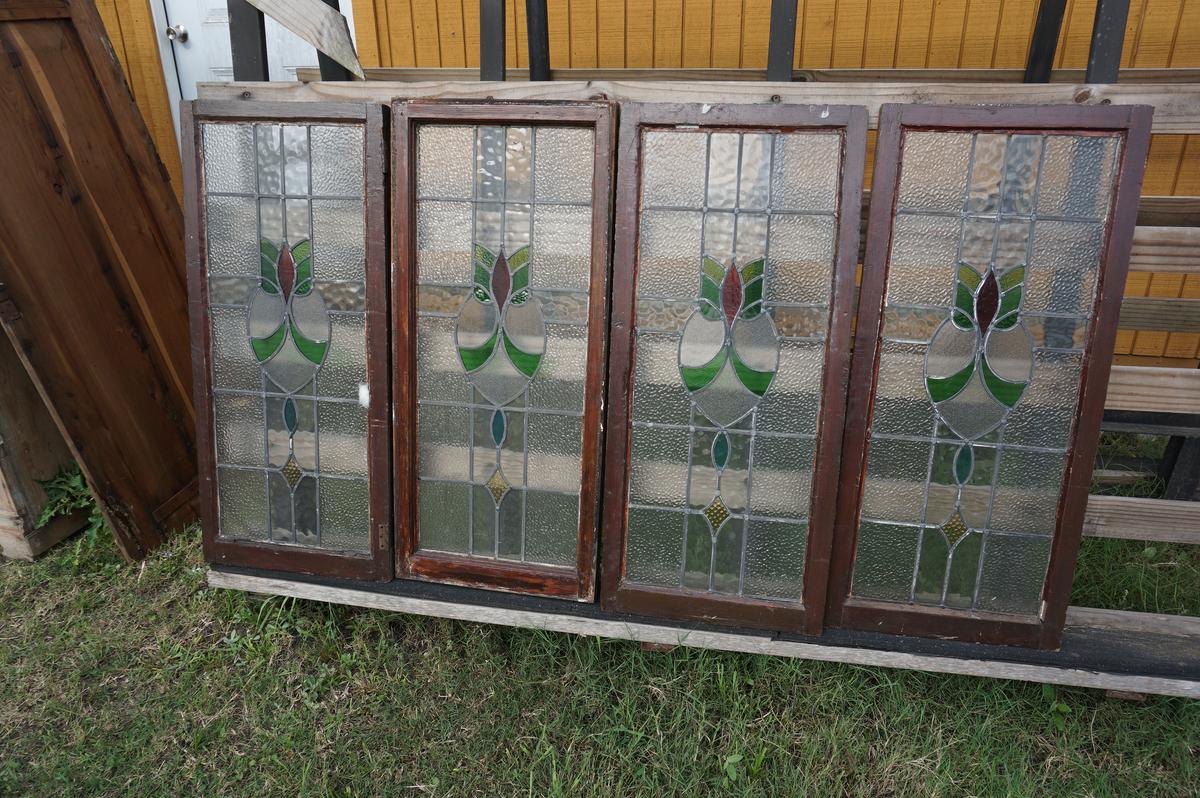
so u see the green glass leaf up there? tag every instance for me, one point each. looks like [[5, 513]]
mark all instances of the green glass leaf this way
[[289, 414], [964, 464], [961, 320], [753, 270], [302, 250], [1005, 392], [752, 297], [710, 299], [526, 363], [1012, 278], [481, 294], [756, 382], [943, 388], [1007, 322], [712, 269], [518, 259], [264, 348], [969, 277], [483, 278], [720, 451], [268, 258], [520, 279], [696, 377], [314, 351], [473, 358], [964, 302], [519, 298], [302, 255], [498, 426], [1010, 300], [484, 256]]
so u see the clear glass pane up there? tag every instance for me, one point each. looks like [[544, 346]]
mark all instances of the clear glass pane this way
[[563, 164], [805, 172], [673, 168], [339, 240], [242, 502], [232, 224], [775, 559], [655, 547], [345, 516], [442, 172], [552, 533], [985, 410], [444, 516]]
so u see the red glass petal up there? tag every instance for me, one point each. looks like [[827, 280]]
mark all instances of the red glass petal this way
[[286, 271], [986, 302], [501, 281], [731, 294]]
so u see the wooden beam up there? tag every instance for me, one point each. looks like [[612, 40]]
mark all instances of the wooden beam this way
[[1176, 107], [1129, 518], [1141, 622], [1169, 211], [1164, 315], [319, 25], [1166, 249], [442, 74], [1149, 389], [754, 643]]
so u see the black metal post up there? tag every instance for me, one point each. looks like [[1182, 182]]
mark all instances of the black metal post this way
[[247, 41], [491, 39], [781, 44], [1108, 37], [330, 69], [538, 31], [1044, 41]]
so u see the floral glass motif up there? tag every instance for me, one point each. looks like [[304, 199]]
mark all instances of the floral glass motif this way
[[503, 271], [992, 278], [286, 276], [735, 272]]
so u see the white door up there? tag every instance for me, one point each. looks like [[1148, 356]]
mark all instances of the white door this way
[[204, 54]]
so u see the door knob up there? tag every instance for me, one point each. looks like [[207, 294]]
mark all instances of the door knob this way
[[177, 33]]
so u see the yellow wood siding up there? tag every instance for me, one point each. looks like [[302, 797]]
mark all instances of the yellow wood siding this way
[[130, 28]]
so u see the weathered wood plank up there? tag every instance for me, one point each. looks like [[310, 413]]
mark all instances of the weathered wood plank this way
[[1152, 389], [1144, 622], [319, 25], [1129, 518], [720, 641], [1176, 107], [410, 74], [1163, 211], [1168, 315]]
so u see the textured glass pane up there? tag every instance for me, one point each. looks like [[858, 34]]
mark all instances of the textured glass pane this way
[[242, 502], [345, 517], [229, 162], [232, 239], [445, 519], [442, 172], [673, 169], [339, 239], [711, 359], [972, 379], [805, 172], [498, 273], [563, 163], [283, 271], [337, 160]]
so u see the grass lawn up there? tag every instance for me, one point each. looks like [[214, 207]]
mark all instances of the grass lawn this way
[[139, 681]]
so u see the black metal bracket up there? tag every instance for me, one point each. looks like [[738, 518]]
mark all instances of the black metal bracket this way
[[1045, 41], [247, 41], [781, 45], [538, 34], [491, 39], [1108, 37]]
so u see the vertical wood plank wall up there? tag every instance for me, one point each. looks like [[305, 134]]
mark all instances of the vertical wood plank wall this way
[[830, 34], [130, 28]]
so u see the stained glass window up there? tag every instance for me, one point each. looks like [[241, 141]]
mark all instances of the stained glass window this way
[[735, 268], [285, 266], [992, 280], [504, 263]]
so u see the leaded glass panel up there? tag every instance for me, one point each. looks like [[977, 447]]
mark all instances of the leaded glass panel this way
[[994, 263], [286, 274], [503, 261], [735, 272]]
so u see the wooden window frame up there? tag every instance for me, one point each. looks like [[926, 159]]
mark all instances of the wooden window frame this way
[[377, 564], [616, 595], [1133, 122], [577, 582]]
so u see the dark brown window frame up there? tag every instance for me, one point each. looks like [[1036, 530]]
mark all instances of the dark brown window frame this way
[[377, 565], [1134, 123], [617, 596], [576, 582]]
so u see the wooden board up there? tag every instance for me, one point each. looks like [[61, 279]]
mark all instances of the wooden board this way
[[1070, 672], [1129, 518], [31, 449], [93, 298], [1176, 107], [1151, 389]]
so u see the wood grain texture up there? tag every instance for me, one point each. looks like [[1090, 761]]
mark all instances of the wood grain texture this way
[[1130, 518], [1068, 674], [1163, 390], [90, 240]]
